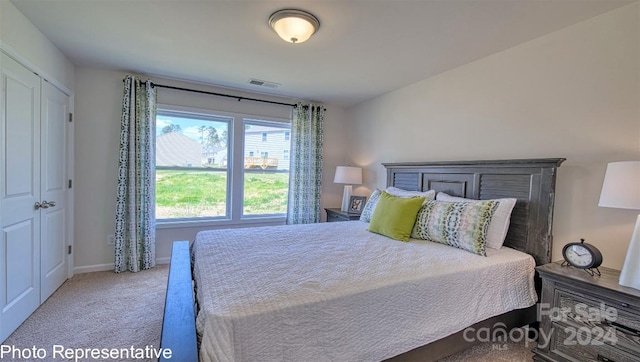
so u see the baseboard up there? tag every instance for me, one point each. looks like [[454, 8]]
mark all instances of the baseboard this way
[[107, 267], [93, 268]]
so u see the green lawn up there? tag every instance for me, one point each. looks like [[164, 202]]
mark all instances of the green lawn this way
[[194, 193]]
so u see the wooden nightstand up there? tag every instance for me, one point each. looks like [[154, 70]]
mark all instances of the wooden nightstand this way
[[339, 215], [587, 318]]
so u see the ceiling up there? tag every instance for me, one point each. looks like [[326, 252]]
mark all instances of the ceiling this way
[[364, 48]]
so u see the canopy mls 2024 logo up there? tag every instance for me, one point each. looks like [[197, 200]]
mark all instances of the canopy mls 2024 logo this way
[[598, 332]]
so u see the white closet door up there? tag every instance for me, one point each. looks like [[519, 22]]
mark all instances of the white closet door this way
[[19, 192], [53, 217]]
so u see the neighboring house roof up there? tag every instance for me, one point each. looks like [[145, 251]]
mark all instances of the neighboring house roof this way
[[176, 149]]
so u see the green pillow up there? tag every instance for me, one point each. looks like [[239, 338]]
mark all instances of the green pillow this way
[[394, 216]]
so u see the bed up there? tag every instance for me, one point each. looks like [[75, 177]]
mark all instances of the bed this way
[[268, 308]]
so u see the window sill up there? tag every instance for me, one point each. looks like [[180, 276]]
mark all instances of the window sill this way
[[220, 223]]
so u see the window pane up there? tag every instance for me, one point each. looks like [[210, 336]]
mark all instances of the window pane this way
[[190, 193], [266, 178], [191, 165]]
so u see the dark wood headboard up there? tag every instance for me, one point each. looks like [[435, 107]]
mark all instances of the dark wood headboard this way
[[531, 181]]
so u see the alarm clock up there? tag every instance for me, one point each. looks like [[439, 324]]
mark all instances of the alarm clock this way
[[582, 255]]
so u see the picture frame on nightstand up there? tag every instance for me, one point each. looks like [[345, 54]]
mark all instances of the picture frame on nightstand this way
[[356, 204]]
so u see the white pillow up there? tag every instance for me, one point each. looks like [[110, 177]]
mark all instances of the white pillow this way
[[499, 222], [428, 195]]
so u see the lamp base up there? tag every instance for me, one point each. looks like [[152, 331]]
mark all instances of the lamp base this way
[[346, 196], [630, 274]]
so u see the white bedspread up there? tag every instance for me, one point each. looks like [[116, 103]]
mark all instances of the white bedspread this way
[[336, 292]]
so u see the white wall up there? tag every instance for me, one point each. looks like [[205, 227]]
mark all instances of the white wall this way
[[98, 109], [573, 93], [20, 39]]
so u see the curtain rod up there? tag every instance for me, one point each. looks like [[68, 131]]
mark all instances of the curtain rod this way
[[239, 98]]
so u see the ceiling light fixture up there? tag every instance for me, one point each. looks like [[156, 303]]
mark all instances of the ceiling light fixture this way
[[294, 26]]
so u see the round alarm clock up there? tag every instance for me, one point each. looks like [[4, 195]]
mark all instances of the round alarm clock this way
[[582, 255]]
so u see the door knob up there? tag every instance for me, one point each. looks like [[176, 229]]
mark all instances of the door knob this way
[[44, 204]]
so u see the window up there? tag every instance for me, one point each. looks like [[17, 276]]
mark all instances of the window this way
[[195, 170], [191, 165], [287, 136], [266, 178], [285, 154]]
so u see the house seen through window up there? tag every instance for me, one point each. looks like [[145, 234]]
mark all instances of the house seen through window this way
[[195, 168]]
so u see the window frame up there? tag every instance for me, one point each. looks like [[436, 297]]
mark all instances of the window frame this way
[[235, 173]]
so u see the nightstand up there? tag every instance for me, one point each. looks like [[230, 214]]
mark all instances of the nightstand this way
[[587, 318], [339, 215]]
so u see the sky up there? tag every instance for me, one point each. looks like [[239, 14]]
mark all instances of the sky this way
[[190, 127]]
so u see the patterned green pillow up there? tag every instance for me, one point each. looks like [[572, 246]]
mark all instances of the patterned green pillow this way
[[463, 225], [370, 206]]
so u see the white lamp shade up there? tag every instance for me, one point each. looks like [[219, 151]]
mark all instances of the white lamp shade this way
[[348, 175], [621, 186]]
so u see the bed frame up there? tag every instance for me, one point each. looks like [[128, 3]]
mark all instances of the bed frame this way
[[531, 181]]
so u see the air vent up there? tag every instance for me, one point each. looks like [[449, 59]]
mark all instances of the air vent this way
[[263, 83]]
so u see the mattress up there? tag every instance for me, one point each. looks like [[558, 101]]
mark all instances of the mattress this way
[[336, 292]]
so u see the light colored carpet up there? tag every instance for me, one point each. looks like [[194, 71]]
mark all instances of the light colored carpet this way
[[98, 310], [108, 310], [491, 352]]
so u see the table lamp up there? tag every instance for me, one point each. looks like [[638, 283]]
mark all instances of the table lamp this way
[[347, 175], [621, 189]]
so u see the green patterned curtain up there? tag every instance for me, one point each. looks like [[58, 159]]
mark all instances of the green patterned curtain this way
[[306, 164], [135, 210]]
